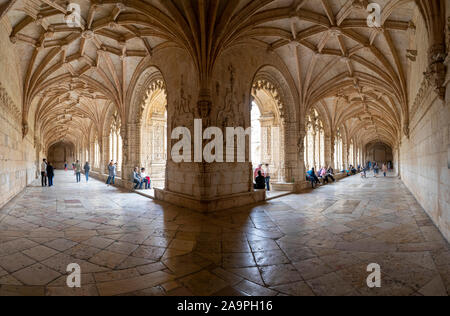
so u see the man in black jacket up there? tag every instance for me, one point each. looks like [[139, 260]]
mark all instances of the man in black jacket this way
[[260, 181], [50, 174]]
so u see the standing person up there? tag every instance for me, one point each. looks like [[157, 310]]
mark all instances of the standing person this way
[[77, 168], [65, 166], [50, 174], [87, 169], [136, 177], [375, 169], [255, 174], [385, 169], [44, 172], [267, 176], [111, 173]]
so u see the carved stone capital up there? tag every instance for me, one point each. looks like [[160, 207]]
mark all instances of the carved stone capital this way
[[437, 70], [204, 103], [25, 128]]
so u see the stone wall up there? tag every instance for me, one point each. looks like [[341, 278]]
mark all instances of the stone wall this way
[[424, 156], [17, 155], [424, 162]]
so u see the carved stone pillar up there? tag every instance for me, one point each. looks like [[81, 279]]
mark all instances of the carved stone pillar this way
[[433, 13], [105, 149], [344, 154], [328, 150], [292, 159], [301, 154], [332, 150]]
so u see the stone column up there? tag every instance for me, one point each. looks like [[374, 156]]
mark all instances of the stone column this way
[[105, 154], [300, 158], [332, 150], [131, 139], [345, 154], [292, 159], [327, 150]]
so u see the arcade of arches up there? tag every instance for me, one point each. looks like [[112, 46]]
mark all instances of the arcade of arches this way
[[318, 86]]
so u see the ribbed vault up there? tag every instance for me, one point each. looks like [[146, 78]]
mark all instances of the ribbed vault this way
[[355, 74]]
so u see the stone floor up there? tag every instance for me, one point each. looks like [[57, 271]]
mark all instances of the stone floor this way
[[317, 243]]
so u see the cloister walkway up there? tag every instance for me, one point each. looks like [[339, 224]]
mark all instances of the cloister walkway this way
[[315, 243]]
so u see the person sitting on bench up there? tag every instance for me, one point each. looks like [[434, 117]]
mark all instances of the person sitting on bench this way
[[311, 176], [260, 181], [329, 175], [323, 175], [136, 177]]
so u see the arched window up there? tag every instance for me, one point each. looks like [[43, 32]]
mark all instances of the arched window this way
[[314, 142], [115, 141], [338, 150]]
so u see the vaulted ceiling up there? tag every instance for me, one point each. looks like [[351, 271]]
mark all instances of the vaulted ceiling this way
[[355, 75]]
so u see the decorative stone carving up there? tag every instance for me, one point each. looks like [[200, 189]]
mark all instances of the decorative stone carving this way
[[360, 4], [268, 86], [420, 97], [8, 104], [437, 69], [152, 88], [411, 54], [25, 129], [182, 115], [229, 114]]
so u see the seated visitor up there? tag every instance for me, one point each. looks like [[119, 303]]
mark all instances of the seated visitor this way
[[353, 170], [323, 175], [259, 168], [145, 179], [347, 172], [260, 181], [329, 175], [136, 177], [311, 176]]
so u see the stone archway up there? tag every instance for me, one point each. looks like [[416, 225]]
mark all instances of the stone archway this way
[[267, 129], [154, 134], [60, 153], [379, 152], [276, 99]]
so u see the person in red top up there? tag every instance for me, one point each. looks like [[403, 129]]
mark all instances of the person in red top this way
[[255, 174]]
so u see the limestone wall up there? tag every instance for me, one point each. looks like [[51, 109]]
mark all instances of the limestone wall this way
[[17, 155], [424, 157], [424, 163]]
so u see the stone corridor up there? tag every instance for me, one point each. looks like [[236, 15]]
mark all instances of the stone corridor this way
[[316, 243]]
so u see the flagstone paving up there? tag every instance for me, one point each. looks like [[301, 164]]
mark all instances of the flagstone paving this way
[[315, 243]]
